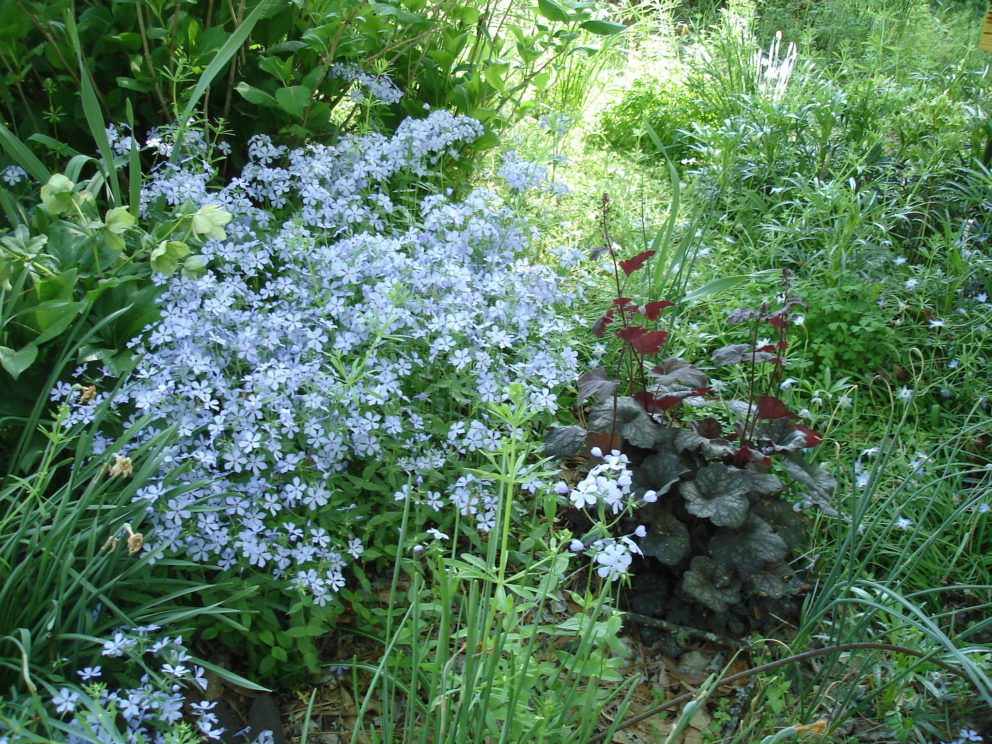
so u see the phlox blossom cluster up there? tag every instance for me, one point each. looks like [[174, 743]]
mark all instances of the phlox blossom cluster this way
[[381, 88], [608, 485], [328, 333], [148, 711]]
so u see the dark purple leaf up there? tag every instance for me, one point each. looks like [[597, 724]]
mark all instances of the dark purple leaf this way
[[652, 309], [741, 315], [596, 384]]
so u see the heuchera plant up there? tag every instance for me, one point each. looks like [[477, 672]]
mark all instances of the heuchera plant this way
[[719, 532]]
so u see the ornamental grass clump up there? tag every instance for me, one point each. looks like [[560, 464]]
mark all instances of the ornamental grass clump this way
[[330, 358]]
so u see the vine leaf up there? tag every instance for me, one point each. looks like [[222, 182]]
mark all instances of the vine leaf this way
[[719, 494]]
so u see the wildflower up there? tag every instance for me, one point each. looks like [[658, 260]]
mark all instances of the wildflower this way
[[970, 735], [65, 700], [904, 394], [862, 480], [13, 175], [937, 323], [576, 546], [436, 534], [902, 523], [788, 383], [911, 283], [88, 673], [899, 260], [845, 401], [982, 297]]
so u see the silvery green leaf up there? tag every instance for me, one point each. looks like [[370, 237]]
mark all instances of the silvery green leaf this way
[[660, 471], [632, 422], [780, 435], [763, 484], [783, 520], [667, 539], [737, 353], [775, 581], [595, 384], [818, 485], [672, 372], [750, 548], [719, 494], [704, 437], [711, 583], [564, 441]]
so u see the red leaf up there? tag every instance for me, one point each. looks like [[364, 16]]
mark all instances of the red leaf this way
[[649, 343], [633, 264], [652, 309], [813, 438], [770, 348], [647, 400], [631, 332], [621, 301], [778, 322], [770, 407]]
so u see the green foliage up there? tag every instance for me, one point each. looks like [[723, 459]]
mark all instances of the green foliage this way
[[278, 66], [76, 286], [667, 106]]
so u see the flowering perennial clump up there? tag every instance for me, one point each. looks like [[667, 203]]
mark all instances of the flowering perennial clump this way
[[336, 325]]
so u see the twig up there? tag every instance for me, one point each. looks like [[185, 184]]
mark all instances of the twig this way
[[780, 663], [741, 701], [672, 628]]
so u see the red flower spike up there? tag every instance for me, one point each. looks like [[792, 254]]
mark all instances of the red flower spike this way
[[770, 407], [652, 309], [633, 264]]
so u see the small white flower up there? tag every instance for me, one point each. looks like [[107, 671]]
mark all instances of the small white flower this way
[[641, 531], [904, 394], [788, 382], [899, 260], [576, 546], [911, 283], [937, 323], [650, 497], [902, 523], [437, 534]]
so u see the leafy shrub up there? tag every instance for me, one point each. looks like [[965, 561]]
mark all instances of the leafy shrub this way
[[718, 531], [297, 70], [667, 106]]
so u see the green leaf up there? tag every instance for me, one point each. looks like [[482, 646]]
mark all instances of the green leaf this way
[[304, 631], [603, 28], [65, 313], [293, 100], [15, 362], [217, 64], [255, 95], [21, 155], [403, 16], [553, 10]]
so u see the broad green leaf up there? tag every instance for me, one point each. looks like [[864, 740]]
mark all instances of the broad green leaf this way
[[564, 441], [64, 314], [255, 95], [293, 100], [553, 10], [667, 539], [603, 28], [15, 362]]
